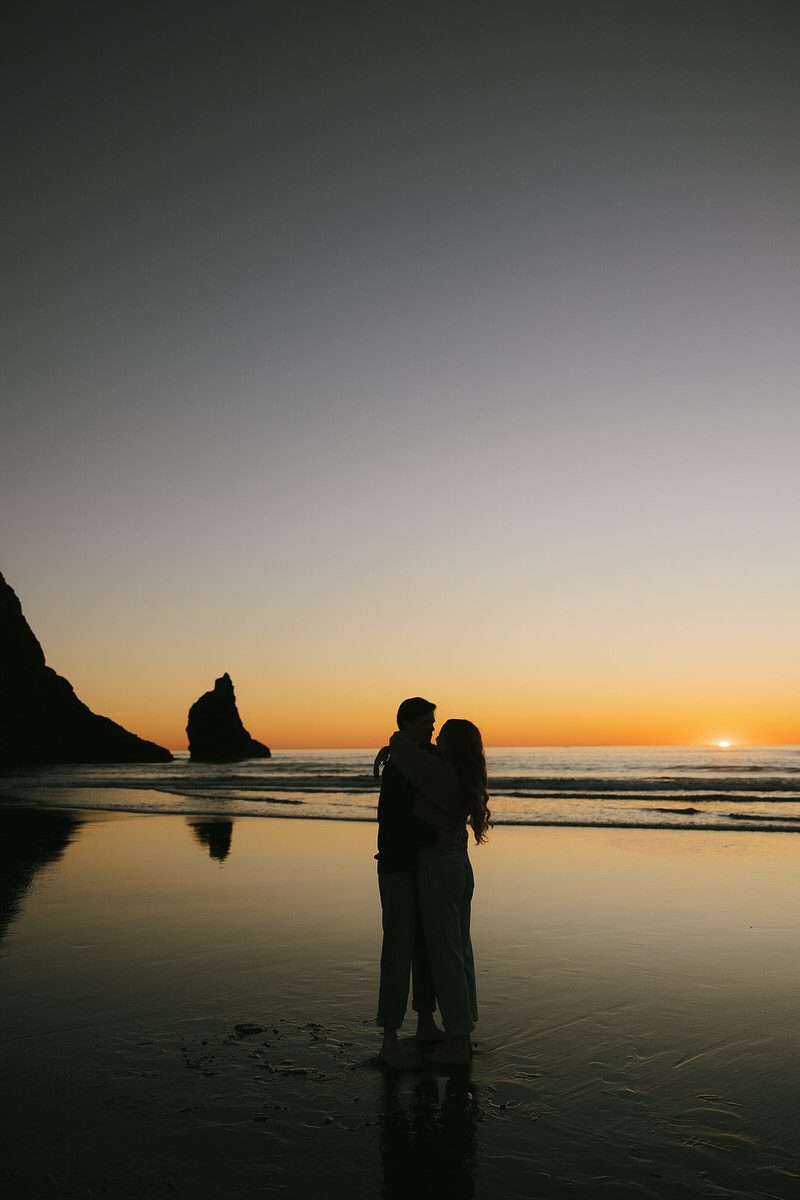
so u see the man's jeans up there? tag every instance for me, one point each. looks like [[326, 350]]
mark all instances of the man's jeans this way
[[445, 884], [403, 952]]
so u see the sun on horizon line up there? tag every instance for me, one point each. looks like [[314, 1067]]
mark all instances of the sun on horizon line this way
[[723, 745]]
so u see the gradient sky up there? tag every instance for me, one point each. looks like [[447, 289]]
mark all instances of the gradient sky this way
[[368, 350]]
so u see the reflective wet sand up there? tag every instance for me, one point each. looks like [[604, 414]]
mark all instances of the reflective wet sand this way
[[189, 1011]]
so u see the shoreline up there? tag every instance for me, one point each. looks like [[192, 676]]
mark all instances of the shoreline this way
[[580, 790], [21, 804]]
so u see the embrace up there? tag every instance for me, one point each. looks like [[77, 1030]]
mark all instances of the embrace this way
[[429, 795]]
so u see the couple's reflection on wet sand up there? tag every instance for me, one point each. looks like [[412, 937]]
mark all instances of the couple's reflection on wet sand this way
[[428, 1130], [214, 835], [29, 842]]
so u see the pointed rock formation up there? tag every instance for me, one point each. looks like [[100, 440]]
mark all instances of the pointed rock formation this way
[[41, 718], [215, 729]]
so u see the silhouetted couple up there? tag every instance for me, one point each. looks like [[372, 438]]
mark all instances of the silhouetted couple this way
[[429, 796]]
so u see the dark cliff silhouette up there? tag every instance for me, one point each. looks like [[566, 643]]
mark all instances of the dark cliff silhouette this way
[[29, 841], [41, 718], [215, 835], [215, 729]]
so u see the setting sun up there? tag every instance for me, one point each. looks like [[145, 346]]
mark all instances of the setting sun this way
[[723, 745]]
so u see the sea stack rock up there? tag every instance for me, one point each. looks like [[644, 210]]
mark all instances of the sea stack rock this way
[[41, 718], [215, 729]]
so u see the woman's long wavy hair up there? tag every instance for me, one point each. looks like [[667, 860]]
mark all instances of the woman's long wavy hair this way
[[465, 750]]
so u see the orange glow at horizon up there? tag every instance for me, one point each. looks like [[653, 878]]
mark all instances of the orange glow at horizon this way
[[317, 693], [324, 722]]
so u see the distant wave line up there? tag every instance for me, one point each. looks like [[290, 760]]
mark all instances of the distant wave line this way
[[763, 817], [628, 797], [727, 768], [514, 786]]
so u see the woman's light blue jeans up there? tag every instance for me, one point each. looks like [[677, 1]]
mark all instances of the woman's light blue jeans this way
[[445, 884]]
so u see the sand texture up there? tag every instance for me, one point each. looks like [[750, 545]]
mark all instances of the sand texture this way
[[188, 1011]]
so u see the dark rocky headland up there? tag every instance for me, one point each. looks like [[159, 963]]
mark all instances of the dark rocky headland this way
[[215, 729], [41, 718]]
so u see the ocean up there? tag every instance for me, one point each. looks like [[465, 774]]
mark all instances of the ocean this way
[[660, 787]]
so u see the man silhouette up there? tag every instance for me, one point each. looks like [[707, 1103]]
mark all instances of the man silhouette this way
[[403, 954]]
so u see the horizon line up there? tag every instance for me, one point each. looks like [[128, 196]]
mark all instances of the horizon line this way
[[560, 746]]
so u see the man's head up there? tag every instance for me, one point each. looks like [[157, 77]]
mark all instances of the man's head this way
[[417, 717]]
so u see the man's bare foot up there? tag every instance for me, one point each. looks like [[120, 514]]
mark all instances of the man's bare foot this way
[[453, 1051]]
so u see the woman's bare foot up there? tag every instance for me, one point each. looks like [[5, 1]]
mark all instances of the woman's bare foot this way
[[453, 1051], [395, 1055]]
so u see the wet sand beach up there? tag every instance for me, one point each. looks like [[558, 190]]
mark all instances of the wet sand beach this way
[[188, 1010]]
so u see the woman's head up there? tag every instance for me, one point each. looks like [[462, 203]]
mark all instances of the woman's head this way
[[460, 743], [459, 738]]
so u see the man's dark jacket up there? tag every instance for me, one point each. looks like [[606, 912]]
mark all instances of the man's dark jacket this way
[[400, 833]]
